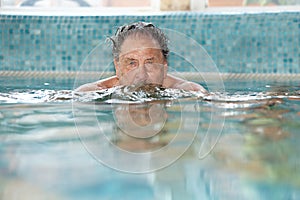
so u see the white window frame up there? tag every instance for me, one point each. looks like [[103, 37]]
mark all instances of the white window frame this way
[[196, 5]]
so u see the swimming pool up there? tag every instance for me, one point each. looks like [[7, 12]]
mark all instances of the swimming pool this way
[[241, 143], [55, 145]]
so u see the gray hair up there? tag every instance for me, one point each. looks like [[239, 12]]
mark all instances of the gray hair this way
[[143, 28]]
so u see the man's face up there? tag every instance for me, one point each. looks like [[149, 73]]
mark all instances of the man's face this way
[[140, 62]]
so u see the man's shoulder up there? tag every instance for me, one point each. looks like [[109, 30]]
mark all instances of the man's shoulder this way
[[108, 82], [179, 83], [98, 85]]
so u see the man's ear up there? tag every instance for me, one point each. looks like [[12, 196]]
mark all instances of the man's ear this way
[[165, 68], [117, 68]]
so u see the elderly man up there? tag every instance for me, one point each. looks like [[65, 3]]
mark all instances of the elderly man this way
[[140, 53]]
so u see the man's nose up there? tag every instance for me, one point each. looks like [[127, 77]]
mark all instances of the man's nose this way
[[142, 75]]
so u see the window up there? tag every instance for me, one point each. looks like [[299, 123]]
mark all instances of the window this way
[[221, 3], [150, 5], [76, 3]]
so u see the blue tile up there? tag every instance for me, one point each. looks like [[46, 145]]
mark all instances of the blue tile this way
[[233, 41]]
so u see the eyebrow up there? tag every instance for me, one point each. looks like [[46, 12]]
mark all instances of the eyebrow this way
[[130, 58], [127, 60], [151, 58]]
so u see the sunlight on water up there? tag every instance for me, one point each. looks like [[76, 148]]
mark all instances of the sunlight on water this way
[[51, 142]]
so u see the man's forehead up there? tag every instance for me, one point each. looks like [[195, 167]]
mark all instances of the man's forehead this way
[[139, 43], [141, 52]]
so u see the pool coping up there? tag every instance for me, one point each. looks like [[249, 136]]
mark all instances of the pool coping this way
[[193, 76]]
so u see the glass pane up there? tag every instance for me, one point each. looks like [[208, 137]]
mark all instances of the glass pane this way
[[127, 3], [220, 3], [75, 3]]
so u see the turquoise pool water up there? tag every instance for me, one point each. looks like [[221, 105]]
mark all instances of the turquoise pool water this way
[[239, 144]]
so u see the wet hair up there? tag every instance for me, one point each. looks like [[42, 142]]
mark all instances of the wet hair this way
[[139, 28]]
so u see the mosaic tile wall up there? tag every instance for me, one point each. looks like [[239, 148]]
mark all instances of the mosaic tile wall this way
[[237, 43]]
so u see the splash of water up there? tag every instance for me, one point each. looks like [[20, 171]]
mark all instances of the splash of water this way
[[139, 94]]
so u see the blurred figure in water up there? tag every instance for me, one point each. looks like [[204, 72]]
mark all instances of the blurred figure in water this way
[[139, 126]]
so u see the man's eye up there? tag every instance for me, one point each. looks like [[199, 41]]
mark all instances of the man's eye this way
[[132, 64], [149, 62]]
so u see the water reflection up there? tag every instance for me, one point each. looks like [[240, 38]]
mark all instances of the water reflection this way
[[141, 120], [139, 126], [141, 137], [257, 156], [263, 149]]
